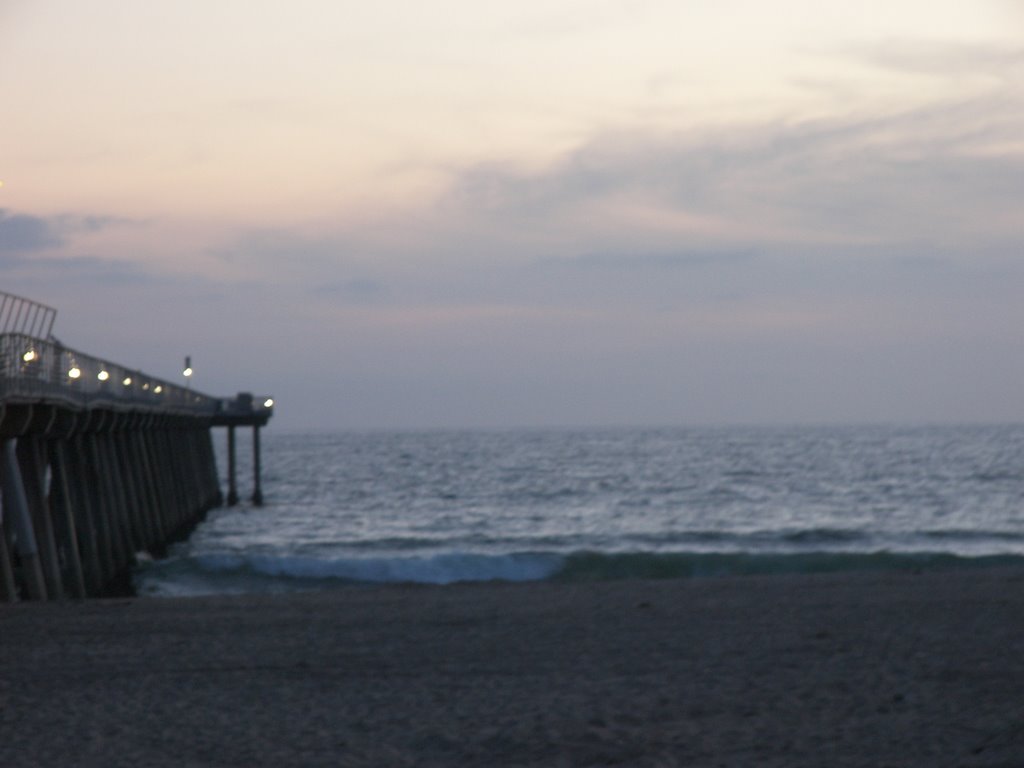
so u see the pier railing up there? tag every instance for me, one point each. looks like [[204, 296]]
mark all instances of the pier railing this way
[[20, 315], [36, 369]]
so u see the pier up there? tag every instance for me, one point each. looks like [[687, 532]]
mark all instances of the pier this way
[[99, 461]]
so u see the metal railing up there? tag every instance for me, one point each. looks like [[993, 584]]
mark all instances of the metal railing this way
[[18, 315], [38, 369]]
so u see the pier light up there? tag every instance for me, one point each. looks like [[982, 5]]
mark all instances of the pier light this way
[[30, 355], [74, 372], [158, 389], [103, 375], [188, 368], [127, 381], [145, 386], [268, 403]]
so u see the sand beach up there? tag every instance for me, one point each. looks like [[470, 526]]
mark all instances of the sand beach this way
[[868, 669]]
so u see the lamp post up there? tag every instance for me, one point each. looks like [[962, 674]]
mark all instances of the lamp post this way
[[187, 373]]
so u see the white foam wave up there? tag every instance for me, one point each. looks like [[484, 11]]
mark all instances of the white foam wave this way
[[445, 568]]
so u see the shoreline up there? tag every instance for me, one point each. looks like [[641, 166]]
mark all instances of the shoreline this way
[[859, 668]]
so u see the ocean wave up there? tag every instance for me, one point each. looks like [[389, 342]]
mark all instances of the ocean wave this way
[[266, 572], [226, 573]]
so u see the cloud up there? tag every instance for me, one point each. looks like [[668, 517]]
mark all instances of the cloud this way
[[944, 59], [933, 169], [22, 233], [910, 200], [954, 169], [41, 250], [92, 269]]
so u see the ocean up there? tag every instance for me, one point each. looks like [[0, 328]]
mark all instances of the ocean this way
[[588, 504]]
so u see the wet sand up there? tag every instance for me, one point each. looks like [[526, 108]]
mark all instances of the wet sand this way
[[830, 670]]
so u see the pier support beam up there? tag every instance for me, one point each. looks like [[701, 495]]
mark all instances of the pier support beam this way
[[16, 506], [33, 461], [232, 470], [63, 505], [7, 583], [257, 494]]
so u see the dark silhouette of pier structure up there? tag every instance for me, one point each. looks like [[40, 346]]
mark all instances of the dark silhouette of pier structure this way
[[99, 461]]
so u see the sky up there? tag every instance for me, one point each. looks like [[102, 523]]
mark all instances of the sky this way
[[543, 213]]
